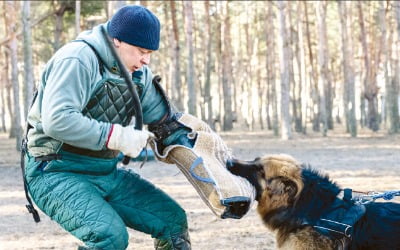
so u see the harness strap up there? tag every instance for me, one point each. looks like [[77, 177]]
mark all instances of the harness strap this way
[[24, 150], [166, 128], [29, 206]]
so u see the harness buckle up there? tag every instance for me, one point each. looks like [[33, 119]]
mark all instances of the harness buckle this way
[[165, 129], [49, 157]]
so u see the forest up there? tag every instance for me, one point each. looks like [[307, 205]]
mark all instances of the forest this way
[[285, 66]]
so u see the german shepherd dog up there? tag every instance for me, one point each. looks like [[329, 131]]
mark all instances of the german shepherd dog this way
[[308, 211]]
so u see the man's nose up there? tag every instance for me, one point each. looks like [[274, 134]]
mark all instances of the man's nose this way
[[146, 59]]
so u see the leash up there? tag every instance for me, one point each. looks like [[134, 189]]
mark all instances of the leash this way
[[24, 151], [135, 97], [372, 196]]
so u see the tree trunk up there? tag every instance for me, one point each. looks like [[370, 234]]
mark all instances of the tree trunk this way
[[177, 95], [190, 73], [227, 71], [347, 53], [370, 86], [207, 84], [385, 57], [59, 10], [271, 69], [77, 17], [169, 42], [312, 73], [322, 64], [296, 78], [255, 77], [16, 129], [284, 69], [218, 63], [8, 86], [108, 9], [295, 84], [391, 94], [28, 87], [393, 108], [247, 73], [3, 88], [304, 82], [59, 26], [118, 5]]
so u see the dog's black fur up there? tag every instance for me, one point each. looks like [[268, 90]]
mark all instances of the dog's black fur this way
[[288, 198]]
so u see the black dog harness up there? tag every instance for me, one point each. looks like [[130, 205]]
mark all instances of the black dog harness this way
[[338, 222]]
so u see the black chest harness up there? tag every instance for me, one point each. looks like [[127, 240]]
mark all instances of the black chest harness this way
[[338, 221]]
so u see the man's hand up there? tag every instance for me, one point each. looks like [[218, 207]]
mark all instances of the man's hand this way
[[127, 139]]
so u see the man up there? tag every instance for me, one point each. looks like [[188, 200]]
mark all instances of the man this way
[[80, 121]]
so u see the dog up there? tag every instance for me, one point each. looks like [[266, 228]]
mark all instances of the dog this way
[[309, 211]]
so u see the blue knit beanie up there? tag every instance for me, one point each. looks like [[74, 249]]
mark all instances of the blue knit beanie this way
[[136, 25]]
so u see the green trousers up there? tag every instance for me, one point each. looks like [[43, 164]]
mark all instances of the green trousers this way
[[95, 201]]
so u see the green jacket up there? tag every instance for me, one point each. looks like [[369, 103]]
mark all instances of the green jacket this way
[[68, 82]]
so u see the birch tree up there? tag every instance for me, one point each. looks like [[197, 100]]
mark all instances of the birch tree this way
[[190, 72], [207, 84], [322, 64], [370, 85], [304, 80], [227, 70], [60, 8], [393, 108], [312, 73], [271, 69], [10, 16], [296, 73], [3, 88], [77, 17], [385, 60], [28, 86], [286, 132], [177, 94], [348, 71]]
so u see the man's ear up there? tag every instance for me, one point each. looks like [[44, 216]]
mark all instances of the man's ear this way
[[117, 42]]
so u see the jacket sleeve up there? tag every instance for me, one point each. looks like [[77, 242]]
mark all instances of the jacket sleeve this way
[[68, 87], [154, 105]]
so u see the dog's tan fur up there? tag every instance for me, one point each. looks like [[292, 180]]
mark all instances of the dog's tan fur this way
[[276, 194]]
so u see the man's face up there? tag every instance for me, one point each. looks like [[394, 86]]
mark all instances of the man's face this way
[[131, 56]]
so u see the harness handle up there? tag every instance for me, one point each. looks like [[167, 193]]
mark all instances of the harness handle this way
[[135, 97]]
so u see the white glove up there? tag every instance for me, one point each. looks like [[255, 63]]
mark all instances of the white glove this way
[[127, 140]]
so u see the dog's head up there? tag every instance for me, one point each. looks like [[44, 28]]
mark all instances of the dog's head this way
[[277, 179]]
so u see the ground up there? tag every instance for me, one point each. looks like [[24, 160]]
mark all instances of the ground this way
[[369, 162]]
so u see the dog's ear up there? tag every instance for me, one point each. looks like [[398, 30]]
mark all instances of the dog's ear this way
[[290, 189], [279, 193], [284, 166]]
